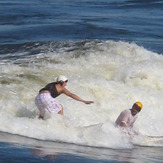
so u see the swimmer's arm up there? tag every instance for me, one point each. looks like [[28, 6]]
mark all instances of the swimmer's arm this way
[[74, 96], [123, 124], [125, 129], [123, 118], [128, 129]]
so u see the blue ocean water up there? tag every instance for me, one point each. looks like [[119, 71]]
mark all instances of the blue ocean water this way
[[138, 21], [41, 37]]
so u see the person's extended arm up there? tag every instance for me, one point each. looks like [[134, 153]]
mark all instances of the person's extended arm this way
[[74, 96]]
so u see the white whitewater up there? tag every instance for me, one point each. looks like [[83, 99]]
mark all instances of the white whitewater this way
[[113, 74]]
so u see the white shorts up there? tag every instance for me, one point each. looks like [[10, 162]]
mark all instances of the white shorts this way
[[46, 101]]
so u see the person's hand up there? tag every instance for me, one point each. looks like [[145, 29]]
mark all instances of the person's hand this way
[[88, 102]]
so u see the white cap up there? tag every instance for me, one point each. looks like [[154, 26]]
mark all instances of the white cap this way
[[61, 78]]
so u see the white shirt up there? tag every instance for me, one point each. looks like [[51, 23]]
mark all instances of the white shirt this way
[[127, 118]]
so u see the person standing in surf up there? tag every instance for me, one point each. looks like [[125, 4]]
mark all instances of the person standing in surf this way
[[46, 99], [127, 118]]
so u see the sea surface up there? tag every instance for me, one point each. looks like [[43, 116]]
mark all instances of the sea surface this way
[[112, 53]]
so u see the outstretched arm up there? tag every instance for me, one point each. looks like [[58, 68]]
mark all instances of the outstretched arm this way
[[74, 96]]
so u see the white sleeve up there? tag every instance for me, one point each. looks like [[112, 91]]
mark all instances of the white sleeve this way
[[125, 115]]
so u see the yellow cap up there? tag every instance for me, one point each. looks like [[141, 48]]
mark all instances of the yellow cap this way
[[139, 104]]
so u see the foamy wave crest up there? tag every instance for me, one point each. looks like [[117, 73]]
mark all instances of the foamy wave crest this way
[[113, 74]]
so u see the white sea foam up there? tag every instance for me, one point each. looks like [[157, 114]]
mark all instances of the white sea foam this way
[[113, 74]]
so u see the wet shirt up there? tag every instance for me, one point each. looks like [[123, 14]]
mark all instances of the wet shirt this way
[[126, 117], [51, 87]]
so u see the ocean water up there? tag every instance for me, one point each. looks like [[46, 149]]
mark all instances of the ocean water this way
[[111, 51]]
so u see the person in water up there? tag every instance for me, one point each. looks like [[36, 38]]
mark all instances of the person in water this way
[[127, 118], [46, 99]]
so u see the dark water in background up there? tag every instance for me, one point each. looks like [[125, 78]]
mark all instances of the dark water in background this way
[[138, 21], [26, 25], [25, 150]]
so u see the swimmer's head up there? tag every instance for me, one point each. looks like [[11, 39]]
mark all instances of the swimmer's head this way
[[62, 79], [138, 105]]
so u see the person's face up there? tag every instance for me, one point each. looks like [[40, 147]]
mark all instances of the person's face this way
[[65, 83], [135, 110]]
